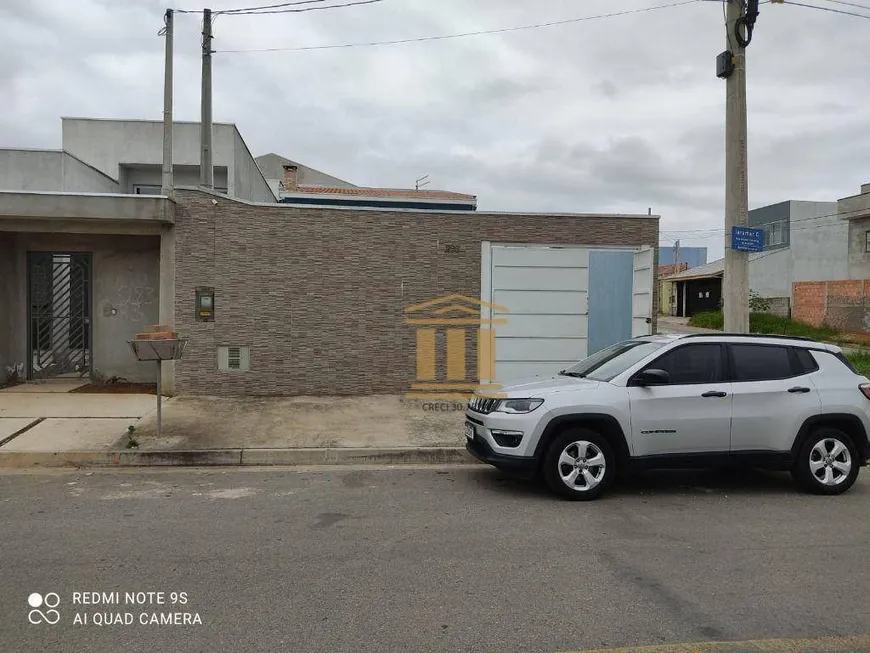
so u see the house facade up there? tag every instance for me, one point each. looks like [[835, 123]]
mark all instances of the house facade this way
[[307, 299]]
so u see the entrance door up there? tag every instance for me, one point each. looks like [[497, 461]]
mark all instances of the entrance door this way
[[59, 314], [610, 298]]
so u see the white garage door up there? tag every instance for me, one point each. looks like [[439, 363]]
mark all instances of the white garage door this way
[[545, 290]]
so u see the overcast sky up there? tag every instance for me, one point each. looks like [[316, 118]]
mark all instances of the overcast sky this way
[[616, 115]]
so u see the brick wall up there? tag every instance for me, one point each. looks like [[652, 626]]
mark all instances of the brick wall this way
[[844, 305], [667, 270], [778, 306], [319, 294]]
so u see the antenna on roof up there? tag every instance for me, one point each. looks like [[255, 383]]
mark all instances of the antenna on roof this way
[[419, 185]]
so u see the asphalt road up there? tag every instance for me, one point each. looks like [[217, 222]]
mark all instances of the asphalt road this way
[[426, 559]]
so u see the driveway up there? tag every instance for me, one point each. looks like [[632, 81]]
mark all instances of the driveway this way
[[36, 418]]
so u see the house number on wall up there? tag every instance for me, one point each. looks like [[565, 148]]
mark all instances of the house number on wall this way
[[453, 249]]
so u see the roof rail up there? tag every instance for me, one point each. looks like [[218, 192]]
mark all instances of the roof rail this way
[[751, 335]]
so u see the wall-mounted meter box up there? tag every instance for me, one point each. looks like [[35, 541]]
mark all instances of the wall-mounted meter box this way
[[204, 304]]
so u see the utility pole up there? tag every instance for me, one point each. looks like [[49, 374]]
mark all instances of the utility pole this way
[[206, 167], [167, 186], [731, 65]]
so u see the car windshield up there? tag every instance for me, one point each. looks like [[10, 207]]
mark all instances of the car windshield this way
[[608, 363]]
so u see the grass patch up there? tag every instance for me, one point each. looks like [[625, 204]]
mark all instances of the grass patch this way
[[861, 361], [768, 323], [708, 320]]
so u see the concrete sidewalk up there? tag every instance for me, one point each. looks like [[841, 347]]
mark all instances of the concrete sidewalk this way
[[80, 429]]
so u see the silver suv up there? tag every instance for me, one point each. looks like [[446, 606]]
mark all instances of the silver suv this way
[[772, 402]]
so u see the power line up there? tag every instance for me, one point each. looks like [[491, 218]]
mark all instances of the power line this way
[[848, 4], [281, 8], [249, 12], [278, 6], [443, 37], [831, 9]]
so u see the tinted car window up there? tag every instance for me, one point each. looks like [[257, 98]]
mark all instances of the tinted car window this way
[[760, 362], [700, 363], [806, 361]]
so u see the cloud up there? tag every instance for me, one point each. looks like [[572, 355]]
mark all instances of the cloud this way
[[618, 114]]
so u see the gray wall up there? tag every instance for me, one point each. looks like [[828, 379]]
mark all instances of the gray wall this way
[[770, 273], [819, 242], [106, 144], [50, 170], [248, 182], [124, 299], [110, 144]]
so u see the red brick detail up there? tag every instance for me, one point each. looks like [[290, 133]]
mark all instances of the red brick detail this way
[[846, 288], [809, 302]]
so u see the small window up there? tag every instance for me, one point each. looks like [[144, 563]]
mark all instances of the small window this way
[[234, 359], [806, 362], [867, 241], [774, 234], [146, 189], [761, 362], [691, 364]]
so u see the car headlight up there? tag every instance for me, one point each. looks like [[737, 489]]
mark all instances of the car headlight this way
[[518, 405]]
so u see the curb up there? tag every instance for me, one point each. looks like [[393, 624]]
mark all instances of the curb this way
[[238, 457]]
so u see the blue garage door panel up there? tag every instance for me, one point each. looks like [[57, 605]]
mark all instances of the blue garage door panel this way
[[610, 289]]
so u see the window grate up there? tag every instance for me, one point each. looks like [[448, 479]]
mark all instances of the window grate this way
[[234, 358]]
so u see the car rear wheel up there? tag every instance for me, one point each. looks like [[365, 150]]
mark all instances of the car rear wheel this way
[[579, 464], [827, 463]]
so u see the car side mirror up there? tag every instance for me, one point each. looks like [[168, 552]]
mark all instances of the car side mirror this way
[[652, 377]]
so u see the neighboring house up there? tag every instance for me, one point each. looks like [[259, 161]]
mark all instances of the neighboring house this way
[[843, 303], [274, 166], [691, 256], [697, 289], [804, 241], [291, 190], [855, 212]]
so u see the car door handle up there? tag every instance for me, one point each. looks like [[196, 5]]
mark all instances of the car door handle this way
[[714, 393], [798, 388]]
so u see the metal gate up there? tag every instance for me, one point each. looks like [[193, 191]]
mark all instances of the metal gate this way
[[59, 314]]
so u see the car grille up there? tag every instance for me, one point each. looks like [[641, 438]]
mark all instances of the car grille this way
[[482, 405]]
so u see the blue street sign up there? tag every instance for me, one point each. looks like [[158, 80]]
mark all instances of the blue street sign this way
[[747, 239]]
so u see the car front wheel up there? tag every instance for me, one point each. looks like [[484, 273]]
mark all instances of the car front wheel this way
[[827, 463], [579, 464]]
